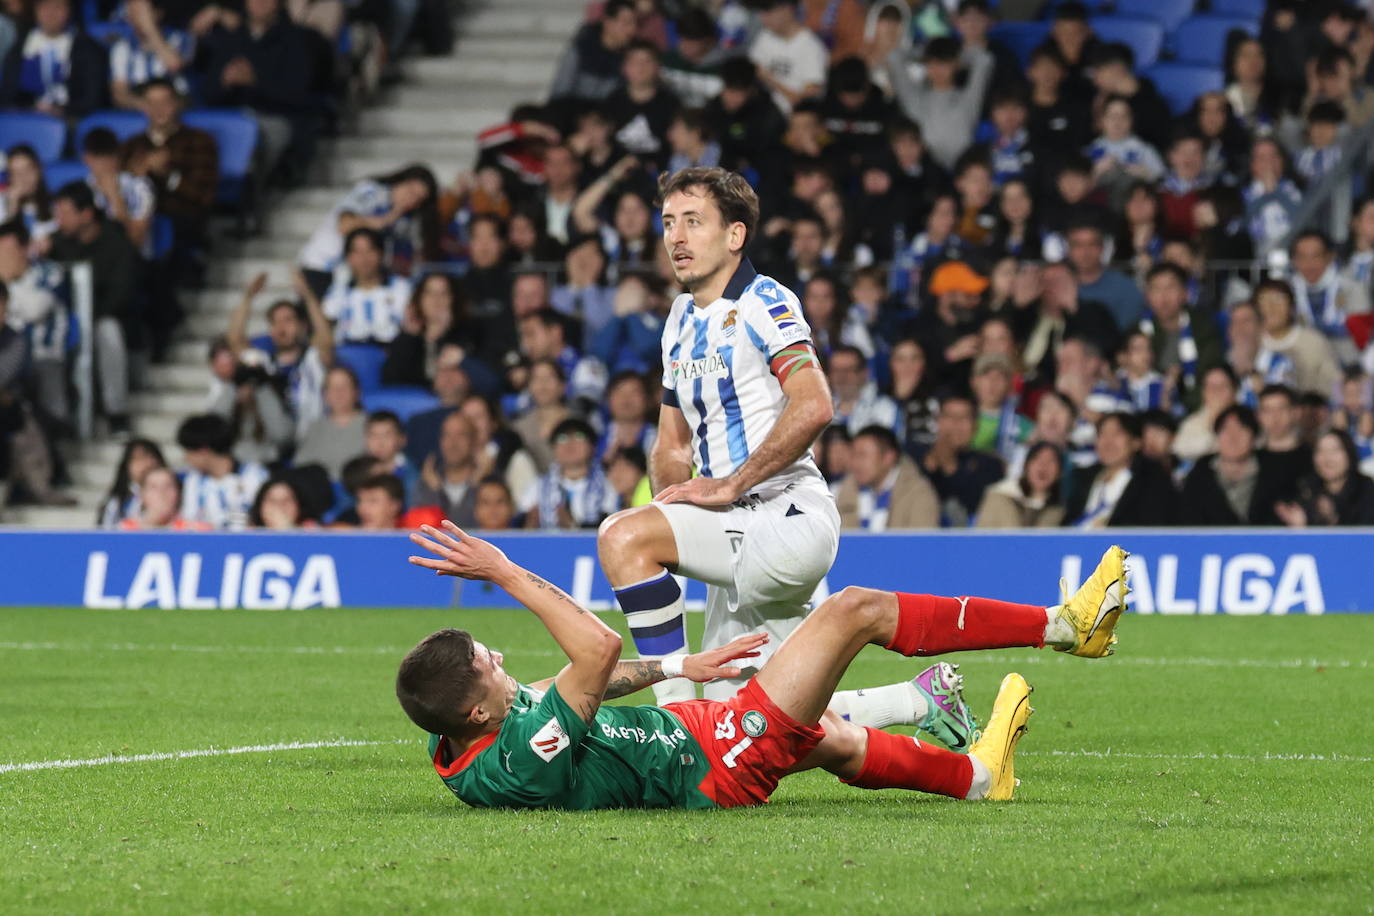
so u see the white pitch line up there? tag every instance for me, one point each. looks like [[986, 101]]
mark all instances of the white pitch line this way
[[1110, 754], [187, 755], [274, 650]]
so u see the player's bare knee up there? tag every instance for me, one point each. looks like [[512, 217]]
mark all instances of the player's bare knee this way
[[856, 605], [846, 745], [616, 538]]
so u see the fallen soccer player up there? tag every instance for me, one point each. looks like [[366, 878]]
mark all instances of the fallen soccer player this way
[[552, 744]]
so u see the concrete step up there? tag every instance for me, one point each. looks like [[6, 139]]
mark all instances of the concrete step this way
[[222, 300], [503, 22], [458, 101], [236, 273], [200, 327], [407, 149], [161, 428], [179, 377], [106, 453], [420, 123], [480, 73], [353, 168], [53, 517], [173, 403], [514, 49]]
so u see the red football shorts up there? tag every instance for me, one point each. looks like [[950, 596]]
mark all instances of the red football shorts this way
[[750, 744]]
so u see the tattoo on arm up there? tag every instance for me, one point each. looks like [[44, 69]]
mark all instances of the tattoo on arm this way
[[627, 677], [586, 710], [554, 590]]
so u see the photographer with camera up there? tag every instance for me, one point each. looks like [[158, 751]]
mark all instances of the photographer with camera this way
[[299, 348], [245, 391]]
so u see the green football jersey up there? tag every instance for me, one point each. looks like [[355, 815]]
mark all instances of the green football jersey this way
[[545, 756]]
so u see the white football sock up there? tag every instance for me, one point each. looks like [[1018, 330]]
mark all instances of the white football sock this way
[[880, 707], [1058, 631], [982, 780]]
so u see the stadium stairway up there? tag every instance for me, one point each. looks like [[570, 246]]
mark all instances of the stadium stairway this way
[[505, 53]]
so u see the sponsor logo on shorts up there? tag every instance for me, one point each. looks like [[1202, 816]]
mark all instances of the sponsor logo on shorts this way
[[753, 723], [549, 741]]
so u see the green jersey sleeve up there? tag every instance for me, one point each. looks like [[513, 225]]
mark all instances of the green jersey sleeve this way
[[533, 760]]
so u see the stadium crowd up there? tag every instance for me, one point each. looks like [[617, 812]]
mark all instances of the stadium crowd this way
[[1048, 289], [103, 165]]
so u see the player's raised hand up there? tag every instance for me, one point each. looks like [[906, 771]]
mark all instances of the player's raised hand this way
[[714, 663], [457, 553], [700, 491]]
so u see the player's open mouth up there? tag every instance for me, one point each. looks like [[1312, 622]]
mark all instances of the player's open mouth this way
[[682, 258]]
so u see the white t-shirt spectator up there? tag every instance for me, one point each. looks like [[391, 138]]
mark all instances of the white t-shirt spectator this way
[[134, 65], [222, 502], [367, 315], [796, 62], [36, 307], [367, 198]]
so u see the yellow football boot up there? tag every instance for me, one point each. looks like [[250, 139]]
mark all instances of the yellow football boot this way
[[1095, 608], [1010, 713]]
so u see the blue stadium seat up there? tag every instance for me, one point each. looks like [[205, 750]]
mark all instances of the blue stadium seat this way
[[64, 171], [1168, 13], [405, 402], [366, 362], [1181, 84], [164, 237], [1202, 39], [1145, 37], [236, 135], [1021, 38], [46, 134], [125, 124], [1250, 9]]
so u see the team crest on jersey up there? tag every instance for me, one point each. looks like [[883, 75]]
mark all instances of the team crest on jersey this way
[[753, 723], [728, 325], [687, 370], [550, 741]]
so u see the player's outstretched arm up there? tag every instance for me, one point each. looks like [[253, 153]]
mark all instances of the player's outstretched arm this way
[[630, 675], [591, 646], [808, 411]]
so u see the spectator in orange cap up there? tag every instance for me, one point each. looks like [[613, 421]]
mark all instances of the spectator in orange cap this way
[[948, 331]]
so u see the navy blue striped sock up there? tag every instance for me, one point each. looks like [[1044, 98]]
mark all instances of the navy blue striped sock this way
[[654, 611]]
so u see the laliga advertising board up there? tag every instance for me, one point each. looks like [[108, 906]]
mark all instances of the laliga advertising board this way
[[1191, 571]]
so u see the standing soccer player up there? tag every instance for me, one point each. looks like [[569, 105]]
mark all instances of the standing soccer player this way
[[743, 400]]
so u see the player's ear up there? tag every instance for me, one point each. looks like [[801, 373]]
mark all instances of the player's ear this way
[[736, 236], [478, 716]]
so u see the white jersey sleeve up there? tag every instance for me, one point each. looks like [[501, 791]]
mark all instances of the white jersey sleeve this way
[[773, 316]]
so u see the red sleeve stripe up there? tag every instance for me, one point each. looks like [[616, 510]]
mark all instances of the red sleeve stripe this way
[[793, 359]]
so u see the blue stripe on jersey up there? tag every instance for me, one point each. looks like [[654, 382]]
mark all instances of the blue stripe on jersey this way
[[699, 352], [757, 340], [734, 419]]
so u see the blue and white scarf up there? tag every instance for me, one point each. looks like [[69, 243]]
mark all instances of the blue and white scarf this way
[[585, 504], [1143, 393], [1320, 304], [1187, 346]]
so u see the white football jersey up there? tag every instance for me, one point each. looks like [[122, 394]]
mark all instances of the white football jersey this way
[[222, 502], [366, 315], [717, 369]]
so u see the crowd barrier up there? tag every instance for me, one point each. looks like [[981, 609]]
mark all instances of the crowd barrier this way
[[1190, 571]]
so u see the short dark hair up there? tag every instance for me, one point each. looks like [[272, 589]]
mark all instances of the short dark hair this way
[[1283, 391], [850, 74], [738, 72], [364, 232], [1240, 412], [206, 431], [1310, 234], [386, 416], [885, 438], [733, 196], [159, 82], [633, 454], [1130, 423], [943, 48], [388, 482], [100, 141], [355, 471], [437, 682], [847, 350], [1166, 267], [1156, 416], [1224, 370], [1326, 113], [1071, 11], [616, 7], [574, 426], [905, 127], [696, 24], [78, 194], [16, 228], [1114, 52]]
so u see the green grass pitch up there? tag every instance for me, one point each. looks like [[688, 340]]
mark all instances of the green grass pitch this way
[[1214, 763]]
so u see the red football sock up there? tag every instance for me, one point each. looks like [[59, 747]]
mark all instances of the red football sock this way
[[901, 762], [932, 625]]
